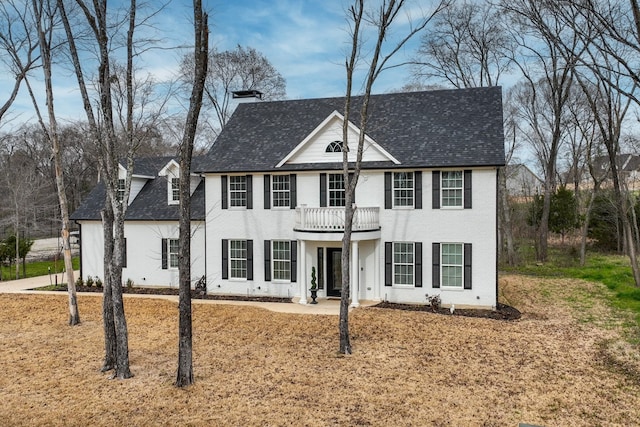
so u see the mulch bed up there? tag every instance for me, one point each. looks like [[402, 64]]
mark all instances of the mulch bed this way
[[502, 312]]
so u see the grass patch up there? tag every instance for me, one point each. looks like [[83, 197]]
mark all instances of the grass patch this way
[[38, 268]]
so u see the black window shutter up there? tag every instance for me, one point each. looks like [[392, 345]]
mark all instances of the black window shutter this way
[[388, 263], [164, 254], [249, 179], [320, 272], [293, 191], [124, 253], [435, 192], [435, 272], [225, 259], [223, 180], [467, 265], [267, 260], [418, 264], [417, 182], [249, 259], [467, 189], [267, 191], [323, 190], [294, 260], [387, 190]]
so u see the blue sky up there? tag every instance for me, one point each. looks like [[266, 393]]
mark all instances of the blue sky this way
[[306, 40]]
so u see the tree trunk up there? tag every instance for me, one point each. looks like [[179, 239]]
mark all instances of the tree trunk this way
[[585, 226], [345, 341], [184, 376], [505, 214], [110, 344]]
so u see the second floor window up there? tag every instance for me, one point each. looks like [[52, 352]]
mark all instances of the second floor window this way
[[175, 189], [238, 191], [403, 189], [452, 188], [281, 190], [336, 189]]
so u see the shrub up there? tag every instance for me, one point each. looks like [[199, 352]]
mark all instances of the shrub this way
[[129, 283], [98, 282], [79, 282], [89, 281], [434, 301]]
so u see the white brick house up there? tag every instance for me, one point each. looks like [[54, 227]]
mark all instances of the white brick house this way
[[269, 203]]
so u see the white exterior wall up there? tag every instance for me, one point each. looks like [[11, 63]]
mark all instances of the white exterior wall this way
[[144, 252], [476, 226]]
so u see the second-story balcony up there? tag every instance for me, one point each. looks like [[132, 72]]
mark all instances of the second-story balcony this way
[[332, 219]]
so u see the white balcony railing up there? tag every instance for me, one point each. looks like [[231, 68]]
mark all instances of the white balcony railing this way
[[332, 219]]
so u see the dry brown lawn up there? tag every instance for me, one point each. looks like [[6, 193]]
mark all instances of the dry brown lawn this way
[[553, 367]]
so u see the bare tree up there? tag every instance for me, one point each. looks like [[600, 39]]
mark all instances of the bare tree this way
[[467, 46], [18, 46], [548, 71], [234, 70], [380, 20], [45, 15], [184, 375]]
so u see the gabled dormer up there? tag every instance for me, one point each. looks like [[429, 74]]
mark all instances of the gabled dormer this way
[[137, 182], [172, 173], [325, 145]]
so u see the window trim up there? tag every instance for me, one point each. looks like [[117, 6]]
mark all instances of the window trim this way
[[288, 262], [461, 189], [173, 256], [336, 191], [412, 189], [120, 190], [172, 191], [233, 192], [231, 259], [274, 178], [412, 264], [461, 266]]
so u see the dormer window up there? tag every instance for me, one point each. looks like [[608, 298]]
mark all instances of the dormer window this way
[[334, 147], [120, 190], [175, 191]]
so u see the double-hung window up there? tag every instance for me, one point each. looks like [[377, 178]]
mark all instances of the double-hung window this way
[[281, 191], [452, 264], [174, 246], [175, 190], [237, 259], [238, 191], [336, 189], [281, 259], [403, 189], [403, 263], [452, 189], [120, 190]]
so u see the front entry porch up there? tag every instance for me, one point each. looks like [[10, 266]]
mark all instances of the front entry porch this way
[[325, 256]]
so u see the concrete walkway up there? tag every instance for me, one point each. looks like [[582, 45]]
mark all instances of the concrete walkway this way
[[324, 306]]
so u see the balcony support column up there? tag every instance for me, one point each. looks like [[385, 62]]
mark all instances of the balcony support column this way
[[355, 274], [302, 262]]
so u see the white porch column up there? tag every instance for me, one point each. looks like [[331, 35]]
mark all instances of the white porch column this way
[[302, 261], [355, 274], [377, 284]]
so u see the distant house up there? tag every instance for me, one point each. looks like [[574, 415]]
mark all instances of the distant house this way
[[269, 202], [522, 183]]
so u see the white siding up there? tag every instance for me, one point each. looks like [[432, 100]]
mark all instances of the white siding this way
[[144, 252]]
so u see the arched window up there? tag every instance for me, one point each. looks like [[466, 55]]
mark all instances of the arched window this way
[[334, 147]]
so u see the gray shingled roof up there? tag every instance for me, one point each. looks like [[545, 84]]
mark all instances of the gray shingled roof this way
[[151, 203], [443, 128]]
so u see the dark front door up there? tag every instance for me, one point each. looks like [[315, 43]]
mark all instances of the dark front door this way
[[334, 272]]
